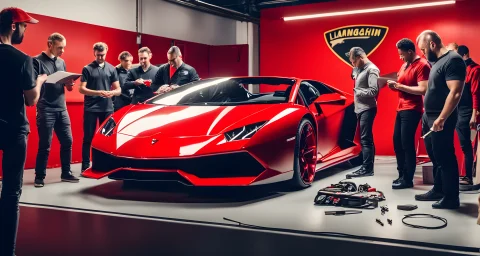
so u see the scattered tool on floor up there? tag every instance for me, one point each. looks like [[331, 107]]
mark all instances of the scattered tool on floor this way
[[384, 209], [339, 213], [423, 215], [348, 194], [380, 222], [407, 207]]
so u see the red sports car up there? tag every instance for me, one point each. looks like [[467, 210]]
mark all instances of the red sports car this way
[[215, 132]]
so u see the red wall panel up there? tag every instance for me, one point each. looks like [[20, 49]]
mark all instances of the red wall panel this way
[[298, 48], [228, 60], [195, 55], [159, 47]]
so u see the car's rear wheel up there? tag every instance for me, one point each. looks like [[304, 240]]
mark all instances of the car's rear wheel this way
[[305, 159]]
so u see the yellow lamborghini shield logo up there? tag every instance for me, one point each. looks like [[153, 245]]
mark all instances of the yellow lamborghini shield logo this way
[[341, 40]]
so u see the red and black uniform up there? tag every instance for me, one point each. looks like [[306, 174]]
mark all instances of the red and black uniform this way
[[470, 100], [169, 75], [473, 80], [409, 113]]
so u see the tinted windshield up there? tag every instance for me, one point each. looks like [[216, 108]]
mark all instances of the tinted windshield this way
[[226, 91]]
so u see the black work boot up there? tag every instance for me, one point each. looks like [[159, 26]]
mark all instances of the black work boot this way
[[431, 195], [68, 177], [447, 203], [39, 183], [362, 172], [401, 184]]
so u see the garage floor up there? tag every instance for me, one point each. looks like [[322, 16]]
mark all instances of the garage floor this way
[[257, 206]]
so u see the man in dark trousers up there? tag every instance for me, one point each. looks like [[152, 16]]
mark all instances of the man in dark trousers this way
[[125, 65], [365, 74], [140, 78], [410, 85], [18, 88], [468, 110], [445, 86], [175, 73], [99, 84], [52, 114]]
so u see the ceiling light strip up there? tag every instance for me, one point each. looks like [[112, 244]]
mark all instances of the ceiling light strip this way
[[381, 9]]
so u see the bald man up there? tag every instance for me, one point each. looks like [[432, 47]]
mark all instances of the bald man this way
[[445, 86]]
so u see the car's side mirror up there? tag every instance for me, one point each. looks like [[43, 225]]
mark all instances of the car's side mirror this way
[[330, 99]]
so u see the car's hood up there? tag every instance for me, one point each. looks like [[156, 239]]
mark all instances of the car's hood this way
[[183, 121]]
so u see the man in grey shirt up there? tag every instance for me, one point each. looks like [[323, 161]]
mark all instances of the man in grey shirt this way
[[365, 75]]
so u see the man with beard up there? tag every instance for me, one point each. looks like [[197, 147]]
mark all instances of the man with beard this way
[[52, 114], [411, 85], [365, 93], [175, 73], [18, 88], [140, 78], [468, 108], [445, 86], [125, 98], [99, 84]]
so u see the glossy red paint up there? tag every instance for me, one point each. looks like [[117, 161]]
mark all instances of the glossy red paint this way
[[210, 182], [194, 132]]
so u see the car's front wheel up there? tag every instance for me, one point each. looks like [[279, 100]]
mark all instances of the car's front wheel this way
[[305, 159]]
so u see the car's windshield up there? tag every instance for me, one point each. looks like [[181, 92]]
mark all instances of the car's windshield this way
[[226, 91]]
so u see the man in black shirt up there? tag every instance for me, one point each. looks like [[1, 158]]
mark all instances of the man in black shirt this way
[[175, 73], [125, 98], [99, 84], [445, 86], [52, 111], [140, 78], [18, 88], [467, 111]]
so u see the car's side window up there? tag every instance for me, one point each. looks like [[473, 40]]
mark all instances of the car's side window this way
[[310, 93], [322, 88]]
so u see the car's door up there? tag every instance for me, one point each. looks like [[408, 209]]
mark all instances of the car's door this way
[[329, 117]]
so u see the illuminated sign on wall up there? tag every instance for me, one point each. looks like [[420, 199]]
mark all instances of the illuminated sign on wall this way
[[341, 40]]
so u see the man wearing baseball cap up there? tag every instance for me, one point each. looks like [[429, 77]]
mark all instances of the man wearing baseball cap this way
[[18, 88]]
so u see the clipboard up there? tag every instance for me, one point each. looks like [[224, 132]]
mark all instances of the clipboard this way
[[62, 77], [382, 80]]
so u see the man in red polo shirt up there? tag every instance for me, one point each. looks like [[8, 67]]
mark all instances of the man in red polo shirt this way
[[411, 85]]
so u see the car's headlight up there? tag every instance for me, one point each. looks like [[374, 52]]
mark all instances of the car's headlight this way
[[107, 129], [245, 132]]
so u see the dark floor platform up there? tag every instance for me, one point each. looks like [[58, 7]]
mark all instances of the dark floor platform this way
[[148, 215]]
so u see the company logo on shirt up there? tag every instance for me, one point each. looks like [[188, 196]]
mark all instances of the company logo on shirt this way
[[341, 40], [185, 72]]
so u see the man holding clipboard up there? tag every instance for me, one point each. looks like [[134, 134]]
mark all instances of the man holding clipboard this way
[[411, 85], [52, 114]]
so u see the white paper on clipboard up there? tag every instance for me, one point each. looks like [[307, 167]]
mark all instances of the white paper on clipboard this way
[[382, 80], [62, 77]]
